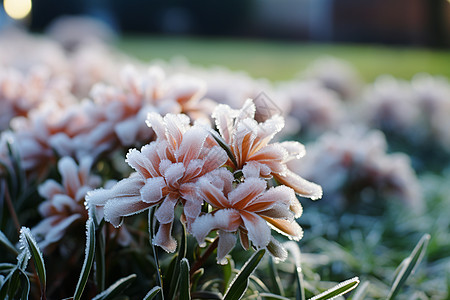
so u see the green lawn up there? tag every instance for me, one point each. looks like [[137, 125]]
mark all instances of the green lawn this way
[[283, 60]]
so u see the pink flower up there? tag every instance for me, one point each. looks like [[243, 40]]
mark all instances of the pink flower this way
[[64, 202], [166, 171], [249, 143], [250, 210]]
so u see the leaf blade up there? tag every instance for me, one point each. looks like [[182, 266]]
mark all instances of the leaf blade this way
[[338, 290], [239, 284]]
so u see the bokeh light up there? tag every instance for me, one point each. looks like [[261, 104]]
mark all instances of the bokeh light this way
[[17, 9]]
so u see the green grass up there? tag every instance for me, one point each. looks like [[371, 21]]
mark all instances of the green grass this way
[[283, 60]]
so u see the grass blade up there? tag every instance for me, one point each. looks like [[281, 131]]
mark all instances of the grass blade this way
[[88, 260], [409, 265], [276, 281], [184, 280], [239, 284], [206, 295], [27, 240], [338, 290], [272, 296], [361, 291], [25, 286], [7, 244], [115, 289], [152, 293]]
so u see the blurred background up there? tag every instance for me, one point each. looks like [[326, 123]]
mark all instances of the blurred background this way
[[407, 22]]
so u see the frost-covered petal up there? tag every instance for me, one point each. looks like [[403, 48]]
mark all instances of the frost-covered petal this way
[[49, 188], [141, 163], [276, 249], [164, 239], [211, 193], [165, 212], [127, 131], [192, 144], [173, 174], [227, 240], [246, 192], [126, 188], [152, 191], [257, 229], [224, 115], [215, 158], [227, 220], [295, 150], [301, 186], [275, 195], [117, 208], [286, 227], [68, 169]]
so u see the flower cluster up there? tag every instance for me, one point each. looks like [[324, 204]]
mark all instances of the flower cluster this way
[[232, 171]]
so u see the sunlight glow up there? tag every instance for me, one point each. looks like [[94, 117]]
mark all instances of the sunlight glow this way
[[17, 9]]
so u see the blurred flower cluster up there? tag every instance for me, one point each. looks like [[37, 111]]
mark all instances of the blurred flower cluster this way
[[89, 135]]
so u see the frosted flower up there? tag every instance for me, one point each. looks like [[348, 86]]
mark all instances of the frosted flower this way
[[316, 108], [47, 130], [249, 143], [63, 206], [355, 170], [391, 107], [249, 210], [123, 108], [20, 93], [166, 171], [336, 75]]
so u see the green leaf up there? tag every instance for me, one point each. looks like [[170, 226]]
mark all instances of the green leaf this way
[[175, 275], [7, 244], [409, 265], [27, 240], [88, 259], [151, 229], [184, 280], [100, 259], [152, 293], [239, 284], [196, 276], [227, 272], [338, 290], [272, 296], [223, 145], [276, 281], [361, 291], [6, 267], [25, 286], [4, 289], [207, 295], [115, 289]]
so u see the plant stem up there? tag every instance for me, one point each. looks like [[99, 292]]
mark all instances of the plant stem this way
[[205, 256], [11, 209]]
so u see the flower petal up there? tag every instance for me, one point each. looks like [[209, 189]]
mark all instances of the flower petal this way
[[301, 186], [257, 228], [152, 191], [211, 193], [286, 227], [117, 208], [126, 188], [141, 163], [246, 192], [164, 239], [225, 219], [227, 240], [165, 212]]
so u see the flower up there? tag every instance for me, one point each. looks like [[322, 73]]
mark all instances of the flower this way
[[166, 170], [248, 209], [249, 140], [64, 202]]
